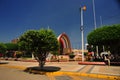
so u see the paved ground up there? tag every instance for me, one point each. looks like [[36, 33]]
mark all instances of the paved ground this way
[[14, 74], [65, 71]]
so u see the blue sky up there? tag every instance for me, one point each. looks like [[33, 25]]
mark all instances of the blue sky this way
[[17, 16]]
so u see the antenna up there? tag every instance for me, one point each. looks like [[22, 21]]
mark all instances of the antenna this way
[[48, 27], [101, 21], [94, 15]]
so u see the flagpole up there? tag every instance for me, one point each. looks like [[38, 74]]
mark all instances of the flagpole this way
[[94, 14], [95, 22]]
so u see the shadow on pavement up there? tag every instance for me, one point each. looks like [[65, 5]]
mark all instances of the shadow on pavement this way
[[3, 62], [38, 70]]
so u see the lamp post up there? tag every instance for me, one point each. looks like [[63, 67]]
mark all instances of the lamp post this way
[[82, 30]]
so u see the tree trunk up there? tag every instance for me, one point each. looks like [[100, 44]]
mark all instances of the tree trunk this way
[[33, 56], [41, 58], [41, 64]]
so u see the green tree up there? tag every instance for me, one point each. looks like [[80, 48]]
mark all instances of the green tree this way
[[2, 48], [40, 43], [109, 36], [11, 46]]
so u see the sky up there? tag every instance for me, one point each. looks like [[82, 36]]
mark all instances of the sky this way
[[18, 16]]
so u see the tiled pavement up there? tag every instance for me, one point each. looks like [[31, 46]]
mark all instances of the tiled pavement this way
[[72, 69]]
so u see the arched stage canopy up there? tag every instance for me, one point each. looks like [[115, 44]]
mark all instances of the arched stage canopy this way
[[65, 46]]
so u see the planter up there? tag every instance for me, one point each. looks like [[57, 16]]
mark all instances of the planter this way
[[63, 60], [78, 59], [53, 60]]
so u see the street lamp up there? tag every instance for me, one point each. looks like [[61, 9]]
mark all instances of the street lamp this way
[[82, 30]]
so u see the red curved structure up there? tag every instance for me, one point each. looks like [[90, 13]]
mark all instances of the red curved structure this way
[[65, 46]]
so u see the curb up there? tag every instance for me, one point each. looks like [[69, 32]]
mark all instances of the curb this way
[[86, 75], [58, 73]]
